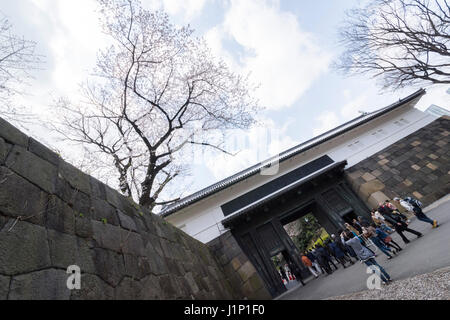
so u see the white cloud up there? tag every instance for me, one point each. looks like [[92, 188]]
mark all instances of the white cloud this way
[[186, 9], [73, 45], [351, 108], [327, 120], [281, 57], [253, 146]]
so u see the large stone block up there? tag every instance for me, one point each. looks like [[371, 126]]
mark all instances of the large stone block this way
[[191, 282], [128, 289], [107, 236], [75, 177], [31, 167], [43, 152], [18, 197], [136, 267], [370, 187], [83, 226], [246, 271], [377, 198], [48, 284], [113, 197], [126, 221], [93, 288], [168, 287], [3, 151], [23, 248], [103, 211], [151, 288], [131, 243], [12, 135], [97, 189], [60, 216], [66, 250], [109, 266], [4, 287]]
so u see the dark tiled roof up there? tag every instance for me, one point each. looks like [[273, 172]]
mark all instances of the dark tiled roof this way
[[287, 154]]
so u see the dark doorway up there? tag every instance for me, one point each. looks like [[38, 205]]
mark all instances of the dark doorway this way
[[306, 232], [348, 217], [260, 232], [286, 268]]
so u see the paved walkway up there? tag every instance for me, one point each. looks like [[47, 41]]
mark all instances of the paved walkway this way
[[429, 286], [420, 256]]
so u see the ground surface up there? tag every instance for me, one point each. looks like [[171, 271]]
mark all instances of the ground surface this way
[[429, 286], [420, 257]]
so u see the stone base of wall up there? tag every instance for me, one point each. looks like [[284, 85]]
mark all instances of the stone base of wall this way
[[238, 269], [417, 165], [52, 216]]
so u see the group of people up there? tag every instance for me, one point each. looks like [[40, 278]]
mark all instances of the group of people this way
[[355, 240]]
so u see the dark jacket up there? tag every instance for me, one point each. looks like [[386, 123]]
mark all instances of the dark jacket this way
[[337, 251], [311, 256], [323, 253], [363, 222], [394, 219]]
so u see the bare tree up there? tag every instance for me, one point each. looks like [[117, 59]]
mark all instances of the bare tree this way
[[402, 42], [17, 59], [156, 90]]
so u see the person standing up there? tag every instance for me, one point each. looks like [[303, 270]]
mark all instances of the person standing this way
[[363, 222], [295, 271], [307, 263], [312, 257], [370, 233], [343, 247], [338, 253], [387, 239], [414, 205], [350, 228], [322, 260], [365, 255], [379, 220], [398, 223], [357, 226]]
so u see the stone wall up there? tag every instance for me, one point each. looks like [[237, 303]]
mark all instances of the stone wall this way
[[52, 215], [239, 271], [417, 165]]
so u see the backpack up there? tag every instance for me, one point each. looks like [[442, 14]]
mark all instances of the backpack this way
[[414, 202]]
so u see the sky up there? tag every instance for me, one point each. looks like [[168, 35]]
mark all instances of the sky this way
[[287, 46]]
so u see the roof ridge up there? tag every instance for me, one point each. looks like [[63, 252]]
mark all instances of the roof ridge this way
[[284, 155]]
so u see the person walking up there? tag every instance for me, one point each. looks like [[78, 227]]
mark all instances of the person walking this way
[[365, 255], [295, 271], [350, 251], [413, 205], [350, 228], [370, 233], [398, 223], [328, 254], [363, 222], [338, 253], [308, 264], [357, 226], [343, 247], [387, 239], [322, 260], [312, 257], [379, 220]]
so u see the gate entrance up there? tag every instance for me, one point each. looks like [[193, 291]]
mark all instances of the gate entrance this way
[[260, 232], [348, 217]]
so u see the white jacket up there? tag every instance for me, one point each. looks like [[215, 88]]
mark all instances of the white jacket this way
[[406, 205]]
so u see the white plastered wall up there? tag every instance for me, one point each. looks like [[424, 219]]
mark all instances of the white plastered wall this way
[[202, 220]]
